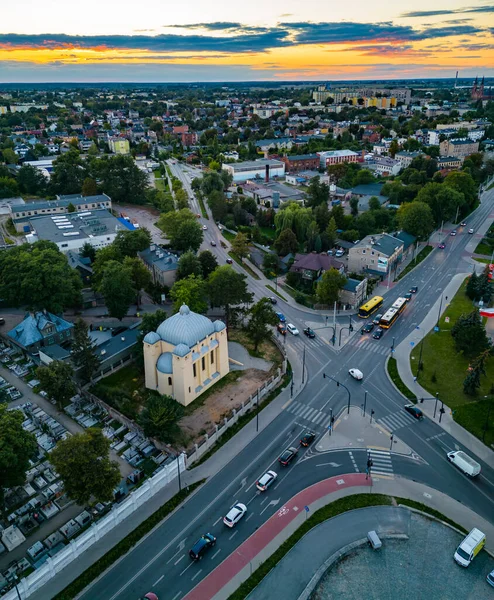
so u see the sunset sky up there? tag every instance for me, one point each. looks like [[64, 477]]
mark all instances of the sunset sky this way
[[196, 40]]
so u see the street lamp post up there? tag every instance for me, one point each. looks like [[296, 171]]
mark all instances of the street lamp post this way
[[257, 411], [338, 383], [365, 401], [303, 366], [440, 307], [420, 355], [178, 469]]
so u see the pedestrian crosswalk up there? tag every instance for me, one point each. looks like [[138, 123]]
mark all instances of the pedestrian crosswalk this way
[[381, 463], [376, 346], [309, 413], [396, 421]]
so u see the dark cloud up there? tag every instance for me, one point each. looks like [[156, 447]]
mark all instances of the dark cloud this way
[[457, 11], [216, 26]]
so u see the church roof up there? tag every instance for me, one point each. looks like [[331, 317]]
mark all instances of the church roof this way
[[186, 327], [164, 363], [152, 337]]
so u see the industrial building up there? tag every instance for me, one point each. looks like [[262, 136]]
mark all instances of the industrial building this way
[[264, 168]]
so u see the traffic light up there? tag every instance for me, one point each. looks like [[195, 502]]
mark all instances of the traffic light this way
[[332, 421]]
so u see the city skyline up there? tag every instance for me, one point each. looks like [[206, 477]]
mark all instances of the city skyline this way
[[222, 42]]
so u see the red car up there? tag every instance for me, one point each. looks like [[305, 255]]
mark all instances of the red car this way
[[442, 246]]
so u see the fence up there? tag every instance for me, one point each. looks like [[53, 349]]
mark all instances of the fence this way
[[255, 399], [28, 586]]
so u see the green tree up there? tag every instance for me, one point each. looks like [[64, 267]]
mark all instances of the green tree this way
[[191, 291], [8, 187], [89, 187], [9, 156], [160, 416], [83, 463], [17, 447], [117, 289], [31, 181], [444, 201], [141, 277], [129, 243], [472, 286], [69, 173], [270, 263], [181, 199], [322, 216], [331, 232], [56, 380], [462, 182], [88, 251], [476, 369], [365, 224], [286, 243], [208, 263], [240, 245], [261, 315], [188, 264], [182, 229], [84, 351], [295, 217], [416, 218], [354, 206], [227, 288], [38, 276], [374, 204], [217, 204], [103, 257], [122, 179], [317, 193], [70, 208], [469, 334], [328, 289]]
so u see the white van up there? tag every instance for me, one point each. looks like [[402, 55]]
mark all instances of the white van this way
[[470, 547], [466, 464]]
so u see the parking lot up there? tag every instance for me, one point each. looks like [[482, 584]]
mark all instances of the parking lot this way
[[146, 217]]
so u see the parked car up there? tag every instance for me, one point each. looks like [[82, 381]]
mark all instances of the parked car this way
[[281, 327], [376, 319], [490, 578], [213, 243], [309, 333], [281, 317], [229, 261], [273, 300], [292, 329], [356, 374], [377, 335], [367, 328], [339, 253], [266, 480], [307, 439], [414, 289], [442, 246], [202, 546], [470, 231], [287, 456], [453, 232], [414, 411], [234, 515]]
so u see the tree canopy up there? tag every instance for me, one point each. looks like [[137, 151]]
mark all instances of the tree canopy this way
[[192, 291], [117, 289], [159, 417], [328, 289], [228, 288], [56, 380], [416, 218], [261, 314], [84, 351], [182, 229]]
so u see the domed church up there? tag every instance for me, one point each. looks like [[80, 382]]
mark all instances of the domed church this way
[[185, 356]]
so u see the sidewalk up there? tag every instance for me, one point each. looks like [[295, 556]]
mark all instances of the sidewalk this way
[[237, 567], [402, 355]]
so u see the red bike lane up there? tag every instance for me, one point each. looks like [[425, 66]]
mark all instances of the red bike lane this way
[[240, 558]]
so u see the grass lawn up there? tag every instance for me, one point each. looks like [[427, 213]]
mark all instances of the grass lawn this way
[[227, 235], [483, 248], [269, 232], [266, 350], [270, 287], [130, 379], [450, 368]]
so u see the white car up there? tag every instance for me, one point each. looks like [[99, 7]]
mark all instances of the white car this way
[[339, 253], [470, 231], [266, 480], [204, 227], [234, 515], [292, 329], [356, 374]]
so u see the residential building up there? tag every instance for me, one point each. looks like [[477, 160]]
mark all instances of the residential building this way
[[273, 144], [273, 192], [301, 162], [468, 125], [119, 145], [459, 148], [82, 265], [354, 293], [21, 213], [334, 157], [312, 266], [406, 157], [376, 254], [409, 243], [71, 231], [266, 112], [384, 166], [185, 356], [448, 162], [264, 168], [161, 264], [40, 329], [3, 110]]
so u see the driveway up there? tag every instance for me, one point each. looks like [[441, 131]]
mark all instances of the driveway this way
[[146, 217]]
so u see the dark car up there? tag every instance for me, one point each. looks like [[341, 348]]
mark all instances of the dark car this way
[[281, 327], [229, 261], [309, 333], [281, 317], [201, 546], [408, 297], [377, 335], [307, 439], [442, 246], [273, 300], [414, 411], [376, 319], [288, 455], [462, 224], [367, 328], [213, 243], [414, 289]]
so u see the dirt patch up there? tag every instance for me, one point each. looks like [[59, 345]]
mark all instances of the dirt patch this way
[[220, 404]]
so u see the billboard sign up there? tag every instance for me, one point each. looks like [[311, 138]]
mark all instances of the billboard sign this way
[[382, 264]]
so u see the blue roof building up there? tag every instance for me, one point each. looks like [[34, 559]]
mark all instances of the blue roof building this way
[[40, 329]]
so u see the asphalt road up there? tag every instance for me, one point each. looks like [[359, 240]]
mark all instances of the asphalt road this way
[[161, 563]]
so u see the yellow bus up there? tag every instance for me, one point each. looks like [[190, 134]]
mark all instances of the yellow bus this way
[[393, 313], [370, 307]]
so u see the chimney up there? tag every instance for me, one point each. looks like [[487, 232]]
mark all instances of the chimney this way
[[266, 178]]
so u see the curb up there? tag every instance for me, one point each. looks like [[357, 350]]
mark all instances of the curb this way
[[392, 382], [319, 574]]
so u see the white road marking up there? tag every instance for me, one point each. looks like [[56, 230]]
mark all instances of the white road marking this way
[[216, 553], [177, 595], [251, 515], [177, 561], [196, 575], [186, 569], [158, 580], [217, 521], [233, 534]]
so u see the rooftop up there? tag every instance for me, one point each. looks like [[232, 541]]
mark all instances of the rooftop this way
[[302, 157], [315, 262], [159, 258], [187, 327], [329, 153], [255, 164], [384, 243], [30, 329], [62, 202]]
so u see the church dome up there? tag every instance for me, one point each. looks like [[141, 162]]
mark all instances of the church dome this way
[[186, 327], [181, 350], [152, 337], [164, 363], [219, 326]]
